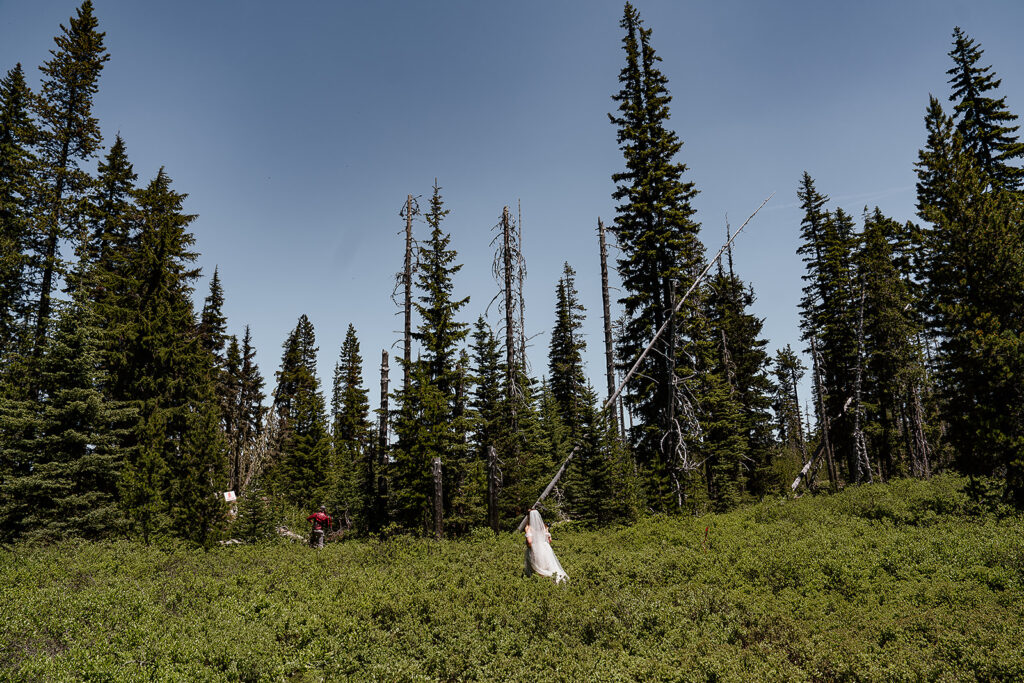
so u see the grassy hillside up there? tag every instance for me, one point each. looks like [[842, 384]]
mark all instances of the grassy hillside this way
[[894, 582]]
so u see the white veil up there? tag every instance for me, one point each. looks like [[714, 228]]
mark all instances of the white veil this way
[[539, 555]]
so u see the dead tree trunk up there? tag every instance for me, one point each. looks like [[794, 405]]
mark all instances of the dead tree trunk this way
[[520, 280], [438, 499], [382, 439], [510, 369], [407, 284], [609, 356]]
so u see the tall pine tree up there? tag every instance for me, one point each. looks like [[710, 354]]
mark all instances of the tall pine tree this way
[[983, 120], [661, 256], [69, 136], [303, 452]]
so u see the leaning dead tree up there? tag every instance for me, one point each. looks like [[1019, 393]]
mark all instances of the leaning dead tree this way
[[643, 354]]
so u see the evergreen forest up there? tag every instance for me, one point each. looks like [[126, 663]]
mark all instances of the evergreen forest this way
[[130, 410]]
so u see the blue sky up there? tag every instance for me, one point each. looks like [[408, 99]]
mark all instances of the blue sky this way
[[298, 129]]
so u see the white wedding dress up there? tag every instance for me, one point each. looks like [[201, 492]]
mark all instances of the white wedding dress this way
[[540, 557]]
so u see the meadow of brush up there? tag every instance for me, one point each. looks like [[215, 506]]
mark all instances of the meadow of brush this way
[[903, 581]]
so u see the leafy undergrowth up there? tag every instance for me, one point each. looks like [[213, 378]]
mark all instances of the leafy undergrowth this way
[[884, 582]]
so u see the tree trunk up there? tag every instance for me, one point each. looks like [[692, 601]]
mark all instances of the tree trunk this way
[[609, 356], [521, 267], [50, 256], [833, 475], [438, 499], [860, 447], [492, 488], [506, 230], [408, 285], [382, 439]]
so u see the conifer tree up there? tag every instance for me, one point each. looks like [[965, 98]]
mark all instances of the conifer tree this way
[[110, 211], [788, 370], [157, 362], [69, 135], [933, 162], [485, 410], [743, 364], [829, 318], [895, 360], [599, 486], [75, 443], [976, 313], [251, 412], [352, 434], [212, 322], [303, 452], [18, 134], [661, 256], [565, 355], [982, 120], [428, 425]]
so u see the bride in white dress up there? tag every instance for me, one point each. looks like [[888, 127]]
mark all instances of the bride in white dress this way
[[540, 557]]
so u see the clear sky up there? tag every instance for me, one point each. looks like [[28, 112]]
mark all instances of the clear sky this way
[[298, 129]]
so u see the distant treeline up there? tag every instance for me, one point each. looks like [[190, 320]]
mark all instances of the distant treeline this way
[[125, 412]]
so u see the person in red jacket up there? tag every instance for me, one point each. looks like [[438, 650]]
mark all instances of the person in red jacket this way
[[321, 524]]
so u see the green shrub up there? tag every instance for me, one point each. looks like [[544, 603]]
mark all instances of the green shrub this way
[[878, 583]]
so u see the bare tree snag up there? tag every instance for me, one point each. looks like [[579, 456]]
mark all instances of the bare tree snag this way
[[520, 280], [510, 369], [609, 355], [382, 434], [407, 284]]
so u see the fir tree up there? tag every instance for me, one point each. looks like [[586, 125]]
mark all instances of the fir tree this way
[[18, 134], [110, 210], [180, 462], [828, 316], [565, 355], [788, 371], [486, 405], [975, 314], [982, 120], [661, 256], [895, 362], [428, 423], [213, 323], [599, 486], [69, 135], [352, 434], [250, 410], [77, 441], [229, 390], [933, 162], [301, 470], [744, 366]]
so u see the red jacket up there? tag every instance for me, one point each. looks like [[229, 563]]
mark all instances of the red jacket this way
[[320, 520]]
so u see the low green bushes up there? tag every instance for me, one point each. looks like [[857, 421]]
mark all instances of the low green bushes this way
[[895, 582]]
